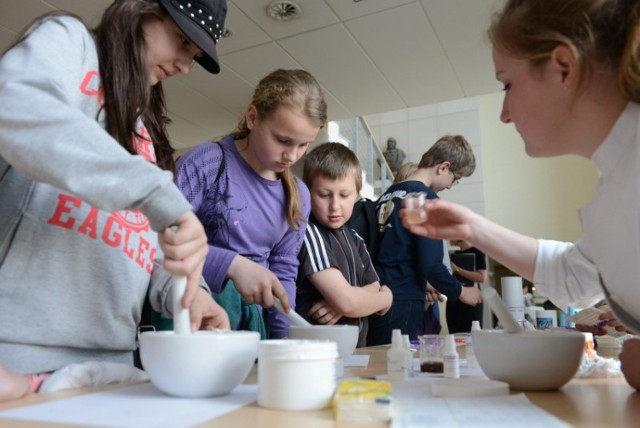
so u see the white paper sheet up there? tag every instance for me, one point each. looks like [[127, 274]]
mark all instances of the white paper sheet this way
[[136, 406], [356, 361], [465, 370], [416, 407]]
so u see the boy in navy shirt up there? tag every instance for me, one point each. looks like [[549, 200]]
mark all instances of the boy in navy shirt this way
[[406, 262]]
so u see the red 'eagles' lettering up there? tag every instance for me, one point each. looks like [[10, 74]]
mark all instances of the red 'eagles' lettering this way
[[120, 229]]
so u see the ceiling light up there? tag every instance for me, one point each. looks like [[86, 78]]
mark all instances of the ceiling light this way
[[284, 10]]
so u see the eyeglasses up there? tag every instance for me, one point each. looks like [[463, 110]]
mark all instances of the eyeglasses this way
[[456, 180]]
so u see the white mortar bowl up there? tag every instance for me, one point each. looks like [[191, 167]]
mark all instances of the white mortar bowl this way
[[345, 336], [200, 364], [539, 360]]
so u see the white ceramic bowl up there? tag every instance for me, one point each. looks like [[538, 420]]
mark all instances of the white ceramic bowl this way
[[200, 364], [540, 360], [346, 336]]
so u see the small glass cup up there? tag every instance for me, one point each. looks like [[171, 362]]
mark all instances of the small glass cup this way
[[431, 353], [414, 207]]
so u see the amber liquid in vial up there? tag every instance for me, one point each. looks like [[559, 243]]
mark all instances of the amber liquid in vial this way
[[414, 206], [415, 216]]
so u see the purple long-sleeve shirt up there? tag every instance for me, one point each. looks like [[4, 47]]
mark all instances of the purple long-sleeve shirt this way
[[243, 214]]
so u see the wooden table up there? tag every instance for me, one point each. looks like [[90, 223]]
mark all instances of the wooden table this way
[[580, 403]]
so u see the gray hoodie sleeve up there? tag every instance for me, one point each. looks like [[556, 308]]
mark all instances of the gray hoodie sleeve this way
[[50, 95]]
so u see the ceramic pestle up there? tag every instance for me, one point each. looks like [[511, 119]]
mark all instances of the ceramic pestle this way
[[181, 318], [293, 316], [499, 308]]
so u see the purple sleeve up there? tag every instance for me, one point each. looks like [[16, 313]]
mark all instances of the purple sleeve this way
[[283, 262], [193, 175], [196, 171], [216, 266]]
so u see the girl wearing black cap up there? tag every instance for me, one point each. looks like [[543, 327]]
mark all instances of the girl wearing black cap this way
[[86, 188]]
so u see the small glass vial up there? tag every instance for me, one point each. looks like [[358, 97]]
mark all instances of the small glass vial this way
[[431, 353], [414, 207]]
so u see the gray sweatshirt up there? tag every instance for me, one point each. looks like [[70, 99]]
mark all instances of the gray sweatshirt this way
[[78, 213]]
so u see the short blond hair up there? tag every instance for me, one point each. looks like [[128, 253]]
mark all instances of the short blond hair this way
[[405, 171]]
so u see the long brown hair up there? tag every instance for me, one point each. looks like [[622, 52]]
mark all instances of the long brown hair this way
[[603, 34], [127, 92], [300, 90]]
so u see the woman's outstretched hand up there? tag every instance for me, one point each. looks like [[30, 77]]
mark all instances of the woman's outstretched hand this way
[[444, 220]]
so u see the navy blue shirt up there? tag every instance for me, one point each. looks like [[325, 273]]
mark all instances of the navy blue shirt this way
[[405, 261]]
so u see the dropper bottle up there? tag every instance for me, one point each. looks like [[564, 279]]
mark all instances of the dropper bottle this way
[[397, 358], [450, 358], [406, 344], [472, 361]]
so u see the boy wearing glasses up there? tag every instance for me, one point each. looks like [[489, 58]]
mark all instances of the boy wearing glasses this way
[[406, 262]]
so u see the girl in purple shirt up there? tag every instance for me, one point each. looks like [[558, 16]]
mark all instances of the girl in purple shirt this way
[[253, 208]]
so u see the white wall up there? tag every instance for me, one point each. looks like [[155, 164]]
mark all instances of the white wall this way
[[538, 197], [416, 129]]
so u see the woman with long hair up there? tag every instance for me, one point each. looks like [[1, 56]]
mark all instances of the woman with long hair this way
[[572, 86]]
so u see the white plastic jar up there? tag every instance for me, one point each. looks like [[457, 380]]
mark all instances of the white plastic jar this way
[[296, 374]]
